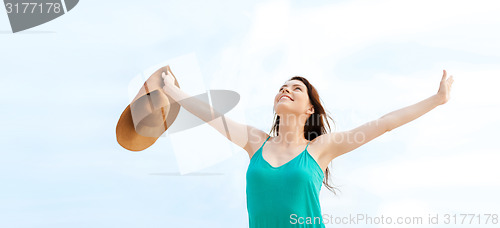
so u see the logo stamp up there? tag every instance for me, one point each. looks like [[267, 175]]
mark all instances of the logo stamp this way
[[26, 14]]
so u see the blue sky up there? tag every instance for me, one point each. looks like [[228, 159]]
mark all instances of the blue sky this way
[[65, 83]]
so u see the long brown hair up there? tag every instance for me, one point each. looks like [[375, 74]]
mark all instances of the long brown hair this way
[[315, 124]]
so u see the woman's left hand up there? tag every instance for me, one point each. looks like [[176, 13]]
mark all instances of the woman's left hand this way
[[444, 88]]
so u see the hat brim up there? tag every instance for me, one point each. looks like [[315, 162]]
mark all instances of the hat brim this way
[[126, 134]]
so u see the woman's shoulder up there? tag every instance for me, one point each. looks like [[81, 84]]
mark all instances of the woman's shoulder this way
[[256, 139]]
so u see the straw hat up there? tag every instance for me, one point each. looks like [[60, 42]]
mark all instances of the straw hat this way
[[149, 114]]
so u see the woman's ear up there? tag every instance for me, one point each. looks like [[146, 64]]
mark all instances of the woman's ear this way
[[310, 110]]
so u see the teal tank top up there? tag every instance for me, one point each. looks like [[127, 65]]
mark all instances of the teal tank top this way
[[284, 196]]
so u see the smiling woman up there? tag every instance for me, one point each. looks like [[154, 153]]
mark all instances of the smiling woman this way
[[306, 118], [284, 177], [288, 165]]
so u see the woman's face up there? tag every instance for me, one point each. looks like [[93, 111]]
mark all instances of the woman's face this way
[[298, 103]]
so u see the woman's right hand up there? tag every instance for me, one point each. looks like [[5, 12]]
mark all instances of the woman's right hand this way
[[168, 80]]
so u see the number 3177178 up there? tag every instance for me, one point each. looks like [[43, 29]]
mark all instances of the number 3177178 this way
[[26, 7]]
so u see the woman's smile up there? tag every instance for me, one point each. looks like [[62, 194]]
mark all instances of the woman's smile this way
[[285, 98]]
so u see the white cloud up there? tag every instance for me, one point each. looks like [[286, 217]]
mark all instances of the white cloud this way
[[409, 212], [473, 168]]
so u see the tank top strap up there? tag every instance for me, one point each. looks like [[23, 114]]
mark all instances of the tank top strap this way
[[307, 145], [265, 142]]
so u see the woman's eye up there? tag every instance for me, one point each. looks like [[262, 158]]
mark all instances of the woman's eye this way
[[295, 88]]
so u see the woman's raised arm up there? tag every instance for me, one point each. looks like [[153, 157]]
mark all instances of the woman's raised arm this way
[[338, 143], [245, 136]]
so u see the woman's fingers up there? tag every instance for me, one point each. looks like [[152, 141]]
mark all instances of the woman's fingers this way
[[444, 75], [450, 80], [167, 78]]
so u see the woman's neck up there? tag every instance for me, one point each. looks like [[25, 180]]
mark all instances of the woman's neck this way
[[291, 131]]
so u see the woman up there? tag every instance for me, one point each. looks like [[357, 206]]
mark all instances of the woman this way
[[286, 171]]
